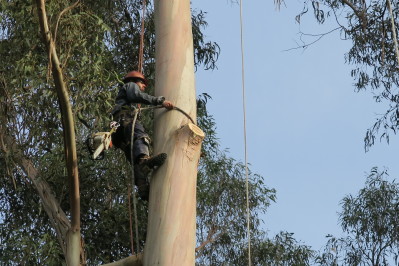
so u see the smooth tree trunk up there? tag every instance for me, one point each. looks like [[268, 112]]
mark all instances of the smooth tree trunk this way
[[74, 251], [172, 205]]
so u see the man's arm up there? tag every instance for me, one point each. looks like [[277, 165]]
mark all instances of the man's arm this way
[[135, 95]]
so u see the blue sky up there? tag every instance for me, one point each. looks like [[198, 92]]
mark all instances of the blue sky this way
[[305, 123]]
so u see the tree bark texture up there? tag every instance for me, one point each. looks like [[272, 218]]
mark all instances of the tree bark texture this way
[[73, 235], [172, 204]]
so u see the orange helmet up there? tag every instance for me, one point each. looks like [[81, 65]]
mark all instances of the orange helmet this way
[[135, 75]]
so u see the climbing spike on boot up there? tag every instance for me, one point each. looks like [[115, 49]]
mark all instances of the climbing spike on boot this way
[[154, 161]]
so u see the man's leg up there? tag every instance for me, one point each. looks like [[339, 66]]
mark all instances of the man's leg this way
[[143, 163]]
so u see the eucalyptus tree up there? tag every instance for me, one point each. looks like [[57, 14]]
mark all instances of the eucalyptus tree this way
[[370, 222], [90, 45], [368, 24], [96, 43]]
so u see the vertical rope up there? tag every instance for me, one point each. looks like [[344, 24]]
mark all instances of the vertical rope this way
[[133, 181], [141, 47], [245, 133], [395, 40], [129, 191]]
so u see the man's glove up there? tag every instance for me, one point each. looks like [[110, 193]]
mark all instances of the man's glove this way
[[168, 105]]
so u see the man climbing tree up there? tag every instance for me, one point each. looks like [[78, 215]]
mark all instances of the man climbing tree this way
[[132, 93]]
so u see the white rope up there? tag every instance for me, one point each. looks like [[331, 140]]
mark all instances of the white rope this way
[[245, 134], [134, 182], [395, 40]]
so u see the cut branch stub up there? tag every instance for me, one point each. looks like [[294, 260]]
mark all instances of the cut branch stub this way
[[195, 137]]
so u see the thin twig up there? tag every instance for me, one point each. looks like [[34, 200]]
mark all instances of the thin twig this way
[[59, 17], [209, 240], [306, 45]]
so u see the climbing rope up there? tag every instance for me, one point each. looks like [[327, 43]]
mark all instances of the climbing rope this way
[[245, 133], [135, 114], [140, 69], [141, 47], [136, 111], [129, 193], [133, 182]]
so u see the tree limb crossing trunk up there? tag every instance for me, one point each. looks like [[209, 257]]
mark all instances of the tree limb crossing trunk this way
[[74, 249]]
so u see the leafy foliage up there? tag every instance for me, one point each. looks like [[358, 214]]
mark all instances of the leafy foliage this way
[[283, 249], [370, 220], [221, 185], [367, 24], [97, 42]]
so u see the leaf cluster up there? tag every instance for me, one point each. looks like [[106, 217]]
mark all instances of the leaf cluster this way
[[222, 213], [370, 222], [97, 42], [375, 65], [283, 249]]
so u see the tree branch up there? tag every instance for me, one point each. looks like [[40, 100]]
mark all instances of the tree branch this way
[[209, 239], [306, 45], [393, 30], [360, 14], [352, 6], [60, 15], [74, 250], [134, 260]]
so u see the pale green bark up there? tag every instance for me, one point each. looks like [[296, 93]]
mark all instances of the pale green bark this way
[[172, 205], [73, 248]]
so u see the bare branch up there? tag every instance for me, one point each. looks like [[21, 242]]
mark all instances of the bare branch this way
[[352, 6], [134, 260], [60, 15], [209, 239], [74, 248], [360, 14], [393, 30], [306, 45]]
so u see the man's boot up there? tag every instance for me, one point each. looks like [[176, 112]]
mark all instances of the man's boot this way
[[152, 162], [141, 171], [141, 181]]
